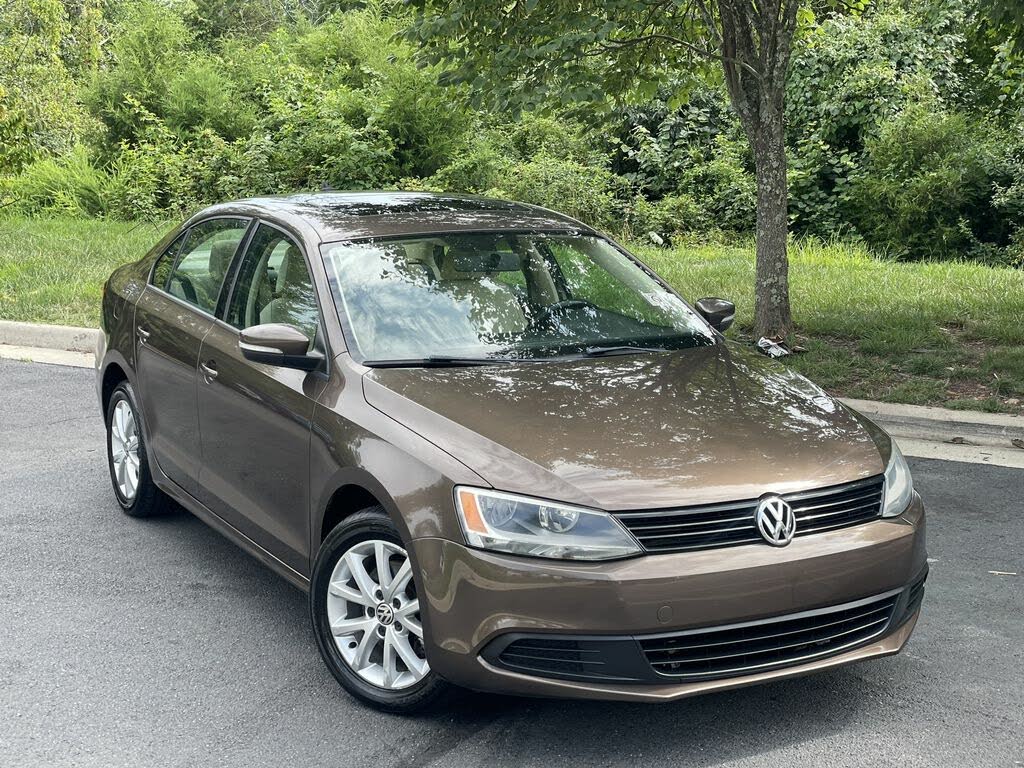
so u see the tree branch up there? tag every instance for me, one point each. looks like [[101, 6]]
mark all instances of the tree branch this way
[[614, 44]]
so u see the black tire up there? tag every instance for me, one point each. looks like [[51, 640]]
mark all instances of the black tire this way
[[370, 523], [148, 500]]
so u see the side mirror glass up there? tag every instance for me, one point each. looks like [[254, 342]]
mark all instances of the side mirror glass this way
[[718, 312], [278, 344]]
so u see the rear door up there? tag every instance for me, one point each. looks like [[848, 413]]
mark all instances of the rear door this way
[[254, 419], [172, 316]]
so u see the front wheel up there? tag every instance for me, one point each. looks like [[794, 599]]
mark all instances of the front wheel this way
[[366, 615]]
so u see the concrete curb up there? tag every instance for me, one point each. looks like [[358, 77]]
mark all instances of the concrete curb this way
[[942, 425], [48, 336]]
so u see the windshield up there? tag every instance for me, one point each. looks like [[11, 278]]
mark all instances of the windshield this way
[[502, 296]]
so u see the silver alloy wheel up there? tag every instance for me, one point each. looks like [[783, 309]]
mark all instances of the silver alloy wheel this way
[[124, 449], [374, 615]]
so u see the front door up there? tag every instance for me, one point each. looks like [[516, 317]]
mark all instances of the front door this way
[[172, 317], [254, 418]]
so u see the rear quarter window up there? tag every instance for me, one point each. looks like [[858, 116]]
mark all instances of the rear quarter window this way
[[165, 263]]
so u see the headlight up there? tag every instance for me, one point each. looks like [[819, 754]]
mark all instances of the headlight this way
[[899, 488], [523, 526]]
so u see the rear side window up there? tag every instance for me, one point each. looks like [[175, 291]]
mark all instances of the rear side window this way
[[203, 262]]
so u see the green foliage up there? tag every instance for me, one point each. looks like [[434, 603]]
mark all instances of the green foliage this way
[[39, 113], [582, 191], [68, 185], [848, 76], [928, 185], [147, 52], [694, 153], [905, 118], [201, 97]]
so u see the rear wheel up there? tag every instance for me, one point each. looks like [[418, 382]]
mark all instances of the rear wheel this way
[[366, 615], [126, 458]]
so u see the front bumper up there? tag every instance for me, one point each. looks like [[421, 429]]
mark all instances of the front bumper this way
[[474, 602]]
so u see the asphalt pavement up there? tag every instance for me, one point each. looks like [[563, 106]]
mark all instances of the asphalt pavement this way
[[159, 643]]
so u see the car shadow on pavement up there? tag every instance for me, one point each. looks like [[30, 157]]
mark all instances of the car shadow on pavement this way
[[712, 728]]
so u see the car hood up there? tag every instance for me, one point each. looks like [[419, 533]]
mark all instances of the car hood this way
[[633, 432]]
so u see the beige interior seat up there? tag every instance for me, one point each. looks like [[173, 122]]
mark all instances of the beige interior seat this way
[[292, 301], [494, 308]]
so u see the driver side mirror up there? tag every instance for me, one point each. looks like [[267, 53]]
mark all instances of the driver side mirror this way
[[278, 344], [718, 312]]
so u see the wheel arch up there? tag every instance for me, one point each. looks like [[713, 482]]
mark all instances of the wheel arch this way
[[351, 491], [113, 374]]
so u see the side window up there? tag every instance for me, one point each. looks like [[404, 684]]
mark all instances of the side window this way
[[165, 262], [204, 260], [274, 285]]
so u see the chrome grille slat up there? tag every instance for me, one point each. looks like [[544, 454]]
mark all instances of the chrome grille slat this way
[[864, 615], [779, 641], [711, 526], [776, 648], [706, 545], [805, 518], [749, 518], [864, 497], [711, 532]]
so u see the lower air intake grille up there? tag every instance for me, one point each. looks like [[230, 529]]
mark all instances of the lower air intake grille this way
[[744, 649], [563, 657]]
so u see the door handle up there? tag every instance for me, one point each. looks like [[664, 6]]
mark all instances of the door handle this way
[[209, 369], [143, 334]]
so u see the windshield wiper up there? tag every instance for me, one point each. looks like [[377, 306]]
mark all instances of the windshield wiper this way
[[437, 361], [622, 349]]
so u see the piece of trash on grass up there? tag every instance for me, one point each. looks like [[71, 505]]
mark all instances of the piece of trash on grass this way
[[772, 348], [1003, 573]]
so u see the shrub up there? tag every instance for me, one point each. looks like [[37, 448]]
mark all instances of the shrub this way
[[585, 192], [427, 124], [202, 96], [927, 186], [671, 215], [477, 169], [66, 185], [148, 49]]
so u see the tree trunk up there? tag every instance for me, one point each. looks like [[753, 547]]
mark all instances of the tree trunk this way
[[755, 42], [771, 289]]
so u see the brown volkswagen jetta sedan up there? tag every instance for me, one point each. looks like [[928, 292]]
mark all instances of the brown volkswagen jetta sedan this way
[[499, 452]]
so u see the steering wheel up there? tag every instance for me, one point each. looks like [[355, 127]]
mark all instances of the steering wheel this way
[[558, 306]]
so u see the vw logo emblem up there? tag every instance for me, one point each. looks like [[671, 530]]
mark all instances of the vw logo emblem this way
[[775, 520], [384, 614]]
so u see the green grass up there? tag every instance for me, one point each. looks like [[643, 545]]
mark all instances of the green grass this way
[[938, 333], [926, 333], [52, 271]]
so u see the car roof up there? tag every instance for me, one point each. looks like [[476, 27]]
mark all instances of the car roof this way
[[340, 216]]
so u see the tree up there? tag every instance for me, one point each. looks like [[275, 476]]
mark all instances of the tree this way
[[526, 53]]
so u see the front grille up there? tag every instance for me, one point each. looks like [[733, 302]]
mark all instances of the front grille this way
[[725, 525], [743, 649]]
